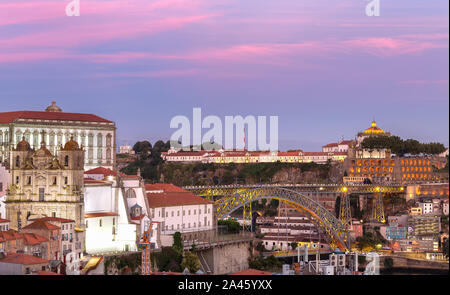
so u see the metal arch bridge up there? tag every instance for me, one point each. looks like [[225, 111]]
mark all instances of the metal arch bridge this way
[[336, 231], [236, 196], [229, 190]]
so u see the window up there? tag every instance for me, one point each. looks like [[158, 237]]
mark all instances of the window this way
[[17, 161], [54, 180], [100, 222], [41, 194], [66, 180], [17, 179], [53, 214], [66, 161], [86, 224]]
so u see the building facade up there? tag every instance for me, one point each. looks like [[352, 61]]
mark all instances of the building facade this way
[[44, 185], [55, 128], [174, 209]]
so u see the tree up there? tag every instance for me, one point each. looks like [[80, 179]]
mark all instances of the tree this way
[[177, 242], [190, 261], [142, 147]]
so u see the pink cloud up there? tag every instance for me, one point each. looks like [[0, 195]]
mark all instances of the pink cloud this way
[[384, 47]]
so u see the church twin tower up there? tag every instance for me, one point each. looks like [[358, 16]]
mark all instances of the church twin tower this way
[[45, 185]]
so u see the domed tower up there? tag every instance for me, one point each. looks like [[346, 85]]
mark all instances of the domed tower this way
[[71, 156], [20, 155], [53, 108]]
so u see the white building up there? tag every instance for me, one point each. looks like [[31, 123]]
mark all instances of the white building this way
[[55, 127], [126, 149], [178, 210], [4, 180], [426, 206], [109, 226]]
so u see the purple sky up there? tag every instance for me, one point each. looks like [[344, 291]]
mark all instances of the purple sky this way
[[323, 66]]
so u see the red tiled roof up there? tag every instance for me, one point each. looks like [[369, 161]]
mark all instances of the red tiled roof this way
[[99, 214], [21, 258], [10, 235], [40, 224], [333, 144], [251, 272], [33, 239], [94, 181], [56, 219], [171, 196], [166, 187], [287, 154], [107, 172], [187, 154], [10, 117], [138, 217], [101, 170]]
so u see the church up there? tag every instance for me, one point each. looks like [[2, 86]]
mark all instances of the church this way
[[44, 184]]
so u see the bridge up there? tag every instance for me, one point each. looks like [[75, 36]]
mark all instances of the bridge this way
[[229, 198]]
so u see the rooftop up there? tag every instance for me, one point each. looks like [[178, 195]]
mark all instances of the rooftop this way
[[21, 258]]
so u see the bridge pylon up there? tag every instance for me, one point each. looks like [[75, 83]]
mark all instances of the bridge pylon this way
[[378, 208], [247, 220], [344, 211]]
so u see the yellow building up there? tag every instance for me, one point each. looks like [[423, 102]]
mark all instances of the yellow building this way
[[44, 185]]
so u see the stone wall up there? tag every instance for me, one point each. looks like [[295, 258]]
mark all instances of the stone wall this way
[[225, 259]]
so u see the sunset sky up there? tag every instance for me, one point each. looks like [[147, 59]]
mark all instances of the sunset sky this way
[[323, 66]]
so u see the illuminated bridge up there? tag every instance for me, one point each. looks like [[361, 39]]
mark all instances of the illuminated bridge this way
[[229, 198]]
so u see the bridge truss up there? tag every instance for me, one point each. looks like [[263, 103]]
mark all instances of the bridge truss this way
[[230, 197], [336, 232]]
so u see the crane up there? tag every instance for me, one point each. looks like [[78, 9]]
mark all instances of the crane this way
[[145, 246]]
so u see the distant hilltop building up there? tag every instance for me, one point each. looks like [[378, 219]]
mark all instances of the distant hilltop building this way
[[55, 128], [373, 130], [126, 149]]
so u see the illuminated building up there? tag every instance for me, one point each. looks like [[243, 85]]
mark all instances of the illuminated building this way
[[44, 185], [373, 130], [402, 170], [55, 128]]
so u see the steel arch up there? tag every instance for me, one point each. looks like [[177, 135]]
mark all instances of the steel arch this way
[[336, 231]]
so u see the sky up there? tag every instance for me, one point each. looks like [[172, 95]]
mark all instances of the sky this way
[[324, 67]]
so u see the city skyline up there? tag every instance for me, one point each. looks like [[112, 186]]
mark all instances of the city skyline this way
[[327, 70]]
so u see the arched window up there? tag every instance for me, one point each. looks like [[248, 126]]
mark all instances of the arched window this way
[[66, 161], [17, 161]]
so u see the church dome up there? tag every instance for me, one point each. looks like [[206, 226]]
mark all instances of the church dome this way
[[43, 151], [53, 108], [23, 145], [374, 129], [71, 145]]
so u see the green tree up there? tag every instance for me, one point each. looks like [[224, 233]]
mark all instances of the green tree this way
[[177, 242], [190, 261], [142, 147]]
